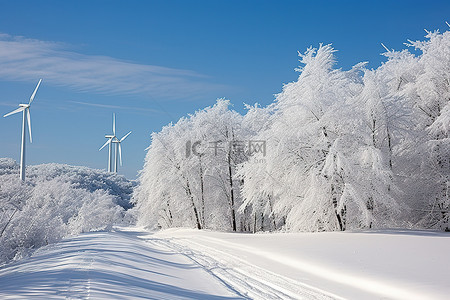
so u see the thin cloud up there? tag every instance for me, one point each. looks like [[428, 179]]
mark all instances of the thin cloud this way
[[29, 59], [115, 106]]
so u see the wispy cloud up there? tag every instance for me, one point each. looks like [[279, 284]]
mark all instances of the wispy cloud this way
[[28, 59], [119, 107]]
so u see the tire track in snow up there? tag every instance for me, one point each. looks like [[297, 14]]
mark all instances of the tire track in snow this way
[[249, 280]]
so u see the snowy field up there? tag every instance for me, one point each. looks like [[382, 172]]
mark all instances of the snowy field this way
[[190, 264], [109, 265], [349, 265]]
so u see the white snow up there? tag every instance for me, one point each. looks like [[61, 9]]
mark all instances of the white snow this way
[[192, 264], [352, 265], [109, 265]]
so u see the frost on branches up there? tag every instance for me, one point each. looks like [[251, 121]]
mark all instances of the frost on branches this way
[[342, 150]]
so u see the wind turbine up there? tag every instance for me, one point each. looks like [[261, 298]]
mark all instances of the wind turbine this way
[[25, 109], [117, 142], [110, 138]]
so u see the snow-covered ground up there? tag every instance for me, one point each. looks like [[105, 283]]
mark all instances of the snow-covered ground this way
[[351, 265], [109, 265], [190, 264]]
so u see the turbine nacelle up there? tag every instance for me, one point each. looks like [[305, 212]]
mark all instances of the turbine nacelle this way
[[118, 146]]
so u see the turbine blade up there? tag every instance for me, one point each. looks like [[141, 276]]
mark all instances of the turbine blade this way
[[29, 124], [15, 111], [107, 142], [35, 90], [121, 140], [120, 154], [114, 124]]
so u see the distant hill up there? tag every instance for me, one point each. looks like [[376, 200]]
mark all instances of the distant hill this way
[[56, 201]]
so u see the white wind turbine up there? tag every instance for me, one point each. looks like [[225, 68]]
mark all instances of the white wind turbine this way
[[110, 138], [25, 109], [117, 142]]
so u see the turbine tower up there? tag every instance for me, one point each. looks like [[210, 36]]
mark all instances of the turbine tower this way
[[25, 109], [118, 146], [110, 138]]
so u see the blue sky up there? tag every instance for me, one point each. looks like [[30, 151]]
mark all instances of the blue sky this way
[[152, 62]]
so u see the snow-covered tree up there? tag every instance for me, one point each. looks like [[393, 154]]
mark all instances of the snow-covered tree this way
[[227, 139], [319, 166], [197, 156], [253, 173], [425, 155], [165, 197]]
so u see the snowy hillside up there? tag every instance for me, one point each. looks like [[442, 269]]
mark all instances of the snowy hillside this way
[[108, 265], [131, 263], [56, 201]]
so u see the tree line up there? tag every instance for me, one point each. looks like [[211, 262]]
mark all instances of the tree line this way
[[336, 150]]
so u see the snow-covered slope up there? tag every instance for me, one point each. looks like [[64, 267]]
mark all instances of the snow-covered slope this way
[[109, 265], [190, 264], [352, 265]]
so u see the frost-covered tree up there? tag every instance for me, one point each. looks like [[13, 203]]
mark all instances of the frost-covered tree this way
[[424, 82], [165, 197], [220, 131], [256, 188], [188, 176], [319, 165], [384, 123]]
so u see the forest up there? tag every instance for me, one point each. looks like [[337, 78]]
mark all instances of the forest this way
[[336, 150]]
